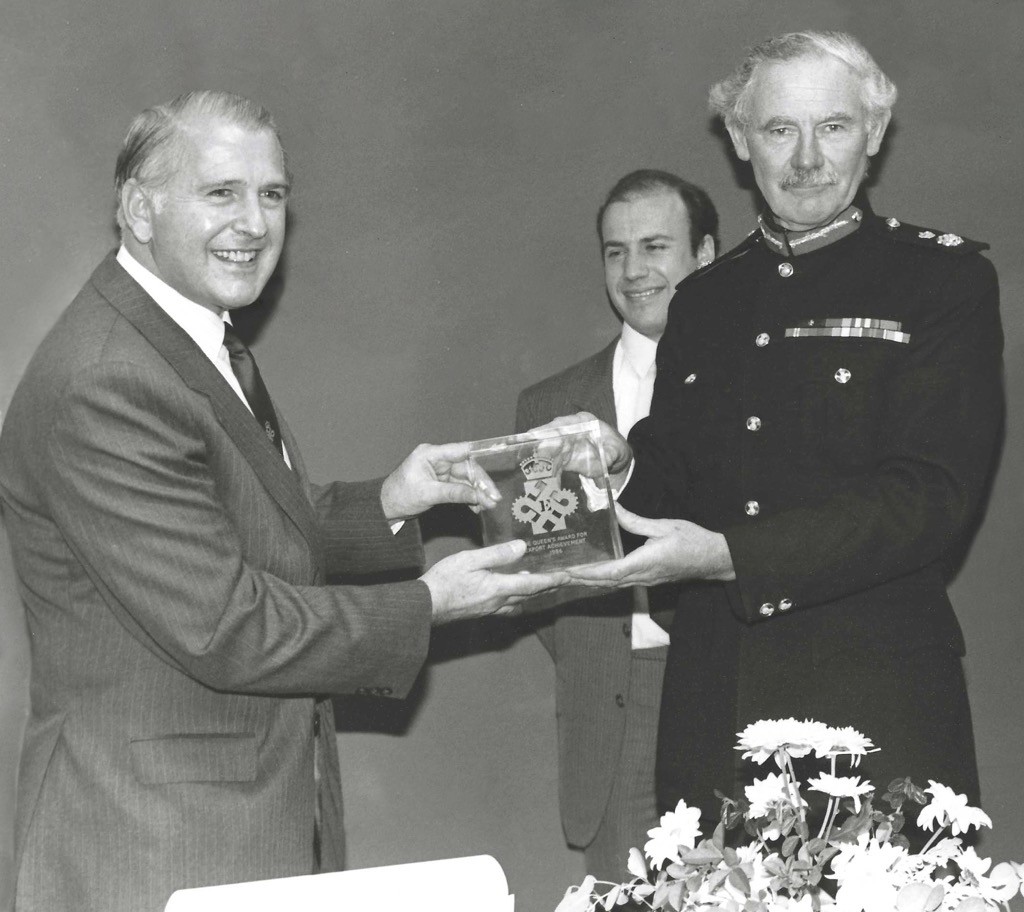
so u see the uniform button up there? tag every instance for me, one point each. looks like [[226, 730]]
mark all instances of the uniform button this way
[[762, 340], [843, 375], [766, 610], [785, 270], [316, 723], [626, 628], [753, 423], [690, 379], [785, 604], [620, 701], [752, 507]]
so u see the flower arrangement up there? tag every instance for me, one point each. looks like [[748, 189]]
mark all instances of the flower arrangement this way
[[861, 863]]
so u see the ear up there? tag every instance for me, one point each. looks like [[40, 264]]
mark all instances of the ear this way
[[739, 141], [876, 131], [138, 208], [706, 250]]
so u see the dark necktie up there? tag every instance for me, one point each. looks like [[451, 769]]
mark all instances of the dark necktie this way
[[243, 365]]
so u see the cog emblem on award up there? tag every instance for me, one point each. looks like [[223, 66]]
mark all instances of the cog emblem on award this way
[[544, 505]]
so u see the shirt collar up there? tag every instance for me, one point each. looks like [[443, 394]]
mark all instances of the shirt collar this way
[[637, 350], [794, 243], [204, 326]]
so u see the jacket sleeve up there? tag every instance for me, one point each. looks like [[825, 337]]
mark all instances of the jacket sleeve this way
[[939, 418], [132, 492], [357, 537]]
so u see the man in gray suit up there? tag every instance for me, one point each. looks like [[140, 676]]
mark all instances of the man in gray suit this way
[[172, 554], [654, 229]]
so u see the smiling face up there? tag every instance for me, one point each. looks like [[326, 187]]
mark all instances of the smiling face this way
[[647, 252], [808, 138], [215, 229]]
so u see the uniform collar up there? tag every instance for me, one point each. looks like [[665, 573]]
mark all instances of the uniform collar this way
[[794, 243]]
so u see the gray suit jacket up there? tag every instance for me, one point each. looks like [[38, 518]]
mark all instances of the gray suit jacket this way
[[590, 640], [172, 569]]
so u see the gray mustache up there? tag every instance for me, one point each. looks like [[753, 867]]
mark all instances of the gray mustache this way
[[802, 180]]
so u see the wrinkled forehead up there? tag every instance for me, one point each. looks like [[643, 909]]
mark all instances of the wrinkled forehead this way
[[806, 86], [213, 144]]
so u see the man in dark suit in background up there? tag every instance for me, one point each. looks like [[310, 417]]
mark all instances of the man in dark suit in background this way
[[654, 229], [824, 422], [172, 554]]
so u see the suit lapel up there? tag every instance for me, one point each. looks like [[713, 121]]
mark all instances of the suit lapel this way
[[196, 371], [593, 391]]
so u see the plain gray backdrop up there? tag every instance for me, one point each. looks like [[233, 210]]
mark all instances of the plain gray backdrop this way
[[449, 157]]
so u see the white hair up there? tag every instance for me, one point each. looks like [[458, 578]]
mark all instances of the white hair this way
[[730, 98]]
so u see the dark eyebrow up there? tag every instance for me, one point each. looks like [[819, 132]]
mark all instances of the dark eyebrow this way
[[644, 240]]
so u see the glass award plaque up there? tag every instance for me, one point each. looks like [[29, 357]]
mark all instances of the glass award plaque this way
[[556, 496]]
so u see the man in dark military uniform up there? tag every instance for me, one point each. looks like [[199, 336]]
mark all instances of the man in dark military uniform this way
[[824, 420]]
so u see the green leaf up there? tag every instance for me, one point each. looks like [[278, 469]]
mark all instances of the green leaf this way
[[719, 838], [816, 845], [915, 794], [730, 856], [789, 846], [705, 853], [675, 896], [739, 880], [717, 878], [827, 854]]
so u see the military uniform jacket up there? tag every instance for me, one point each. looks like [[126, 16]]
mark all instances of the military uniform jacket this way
[[834, 414]]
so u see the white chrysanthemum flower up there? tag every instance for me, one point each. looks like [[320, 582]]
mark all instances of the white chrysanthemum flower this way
[[940, 854], [842, 787], [849, 741], [949, 808], [869, 875], [761, 740], [765, 794], [679, 828]]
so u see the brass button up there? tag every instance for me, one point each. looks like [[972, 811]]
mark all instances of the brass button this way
[[785, 270], [753, 423], [843, 375], [752, 507], [762, 340], [767, 610], [690, 378], [785, 604]]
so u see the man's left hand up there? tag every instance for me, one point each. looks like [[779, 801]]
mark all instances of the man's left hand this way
[[676, 550], [432, 475]]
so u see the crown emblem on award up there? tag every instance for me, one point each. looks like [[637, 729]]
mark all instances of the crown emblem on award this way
[[535, 467], [544, 505]]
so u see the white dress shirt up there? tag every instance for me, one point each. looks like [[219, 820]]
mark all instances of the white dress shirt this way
[[204, 326], [633, 371]]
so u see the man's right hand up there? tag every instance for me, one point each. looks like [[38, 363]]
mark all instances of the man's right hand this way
[[464, 586]]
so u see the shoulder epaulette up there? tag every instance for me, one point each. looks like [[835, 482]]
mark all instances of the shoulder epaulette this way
[[741, 249], [925, 237]]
